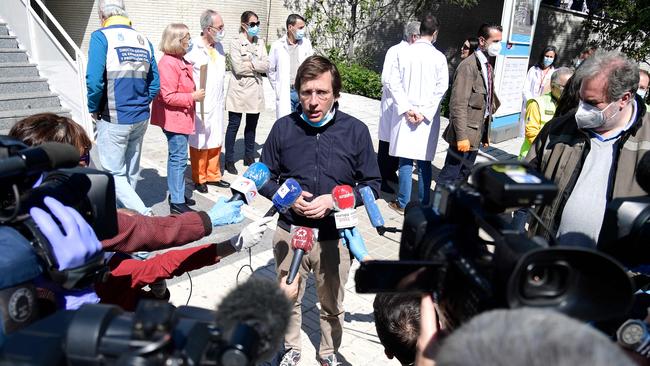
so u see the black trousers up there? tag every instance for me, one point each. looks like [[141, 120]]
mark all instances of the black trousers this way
[[388, 165]]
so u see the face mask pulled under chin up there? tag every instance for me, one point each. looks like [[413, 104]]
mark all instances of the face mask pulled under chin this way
[[325, 120], [590, 117]]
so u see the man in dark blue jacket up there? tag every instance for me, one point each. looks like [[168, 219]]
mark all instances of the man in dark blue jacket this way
[[320, 147]]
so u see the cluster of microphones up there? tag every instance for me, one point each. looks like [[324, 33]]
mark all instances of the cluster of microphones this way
[[246, 188]]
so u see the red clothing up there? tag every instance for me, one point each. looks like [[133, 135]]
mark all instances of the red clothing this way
[[146, 233], [173, 108], [124, 285]]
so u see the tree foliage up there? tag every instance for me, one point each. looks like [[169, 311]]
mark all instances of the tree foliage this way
[[624, 25], [339, 27]]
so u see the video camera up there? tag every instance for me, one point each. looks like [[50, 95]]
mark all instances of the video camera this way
[[248, 327], [29, 174], [463, 250]]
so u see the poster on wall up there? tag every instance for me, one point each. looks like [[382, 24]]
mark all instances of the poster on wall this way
[[510, 86], [522, 21]]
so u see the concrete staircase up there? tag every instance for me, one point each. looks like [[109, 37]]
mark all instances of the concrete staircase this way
[[22, 91]]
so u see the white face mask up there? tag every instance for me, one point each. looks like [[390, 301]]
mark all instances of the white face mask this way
[[220, 36], [642, 93], [590, 117], [494, 49]]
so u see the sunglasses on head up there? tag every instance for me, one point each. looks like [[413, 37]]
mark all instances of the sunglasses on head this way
[[465, 47], [254, 24]]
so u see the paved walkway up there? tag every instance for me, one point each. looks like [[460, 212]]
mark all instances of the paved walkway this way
[[207, 286]]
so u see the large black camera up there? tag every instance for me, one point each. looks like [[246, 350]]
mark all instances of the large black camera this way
[[29, 174], [464, 251]]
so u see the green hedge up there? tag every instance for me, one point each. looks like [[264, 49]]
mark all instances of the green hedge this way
[[359, 80]]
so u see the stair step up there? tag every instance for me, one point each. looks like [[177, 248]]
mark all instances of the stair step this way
[[17, 69], [9, 118], [12, 55], [8, 42], [23, 84], [4, 31], [31, 100]]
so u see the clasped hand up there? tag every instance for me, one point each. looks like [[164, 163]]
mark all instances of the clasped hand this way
[[318, 208]]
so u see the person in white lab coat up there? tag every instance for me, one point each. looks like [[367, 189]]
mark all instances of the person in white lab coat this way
[[538, 81], [285, 56], [418, 83], [205, 143], [388, 164]]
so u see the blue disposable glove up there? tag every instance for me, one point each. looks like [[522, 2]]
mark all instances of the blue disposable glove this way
[[352, 239], [226, 213], [73, 247]]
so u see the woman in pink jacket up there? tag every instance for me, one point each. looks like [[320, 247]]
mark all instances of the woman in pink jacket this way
[[173, 109]]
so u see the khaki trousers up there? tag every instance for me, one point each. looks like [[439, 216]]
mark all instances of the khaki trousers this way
[[330, 261]]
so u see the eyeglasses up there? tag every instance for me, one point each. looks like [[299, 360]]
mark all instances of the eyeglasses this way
[[215, 28], [254, 24], [320, 94]]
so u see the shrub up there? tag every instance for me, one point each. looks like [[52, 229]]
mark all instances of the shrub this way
[[359, 80]]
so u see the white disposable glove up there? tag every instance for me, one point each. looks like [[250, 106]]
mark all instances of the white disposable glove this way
[[251, 235]]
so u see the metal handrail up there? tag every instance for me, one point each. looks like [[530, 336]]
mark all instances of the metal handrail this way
[[78, 63]]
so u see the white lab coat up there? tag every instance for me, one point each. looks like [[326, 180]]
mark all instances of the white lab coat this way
[[537, 82], [418, 82], [208, 134], [279, 66], [388, 115]]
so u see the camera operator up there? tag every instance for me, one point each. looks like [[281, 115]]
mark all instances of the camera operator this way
[[523, 336], [592, 154], [135, 232], [397, 320]]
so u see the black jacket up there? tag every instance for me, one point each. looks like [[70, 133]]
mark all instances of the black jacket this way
[[340, 152]]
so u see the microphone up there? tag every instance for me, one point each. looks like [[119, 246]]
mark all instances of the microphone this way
[[344, 201], [284, 197], [254, 316], [245, 188], [48, 156], [302, 241], [376, 219], [643, 172]]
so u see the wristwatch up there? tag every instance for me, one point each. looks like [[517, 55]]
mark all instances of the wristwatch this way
[[634, 335]]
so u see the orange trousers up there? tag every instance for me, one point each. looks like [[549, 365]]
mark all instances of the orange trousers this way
[[206, 166]]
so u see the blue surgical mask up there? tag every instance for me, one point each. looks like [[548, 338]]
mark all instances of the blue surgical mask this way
[[548, 61], [325, 120], [253, 31], [300, 34], [220, 36]]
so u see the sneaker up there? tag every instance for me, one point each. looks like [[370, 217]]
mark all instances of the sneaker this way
[[396, 207], [290, 358], [329, 361]]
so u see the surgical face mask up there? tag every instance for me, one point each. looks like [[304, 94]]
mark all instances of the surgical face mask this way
[[548, 61], [325, 120], [642, 93], [590, 117], [300, 34], [253, 31], [220, 36], [494, 49]]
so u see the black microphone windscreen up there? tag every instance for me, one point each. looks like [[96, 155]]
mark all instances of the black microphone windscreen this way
[[60, 155], [643, 172], [261, 304]]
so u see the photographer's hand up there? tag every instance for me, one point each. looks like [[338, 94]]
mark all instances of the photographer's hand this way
[[73, 247], [226, 213]]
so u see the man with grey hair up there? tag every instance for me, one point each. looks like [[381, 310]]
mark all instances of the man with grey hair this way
[[592, 153], [388, 164], [122, 80], [527, 336]]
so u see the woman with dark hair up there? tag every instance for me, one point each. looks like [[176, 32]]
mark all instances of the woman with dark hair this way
[[538, 80], [245, 89], [469, 46]]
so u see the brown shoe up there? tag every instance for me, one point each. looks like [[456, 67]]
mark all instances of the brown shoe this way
[[395, 206]]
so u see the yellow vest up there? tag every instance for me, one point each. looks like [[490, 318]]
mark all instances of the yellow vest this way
[[547, 107]]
